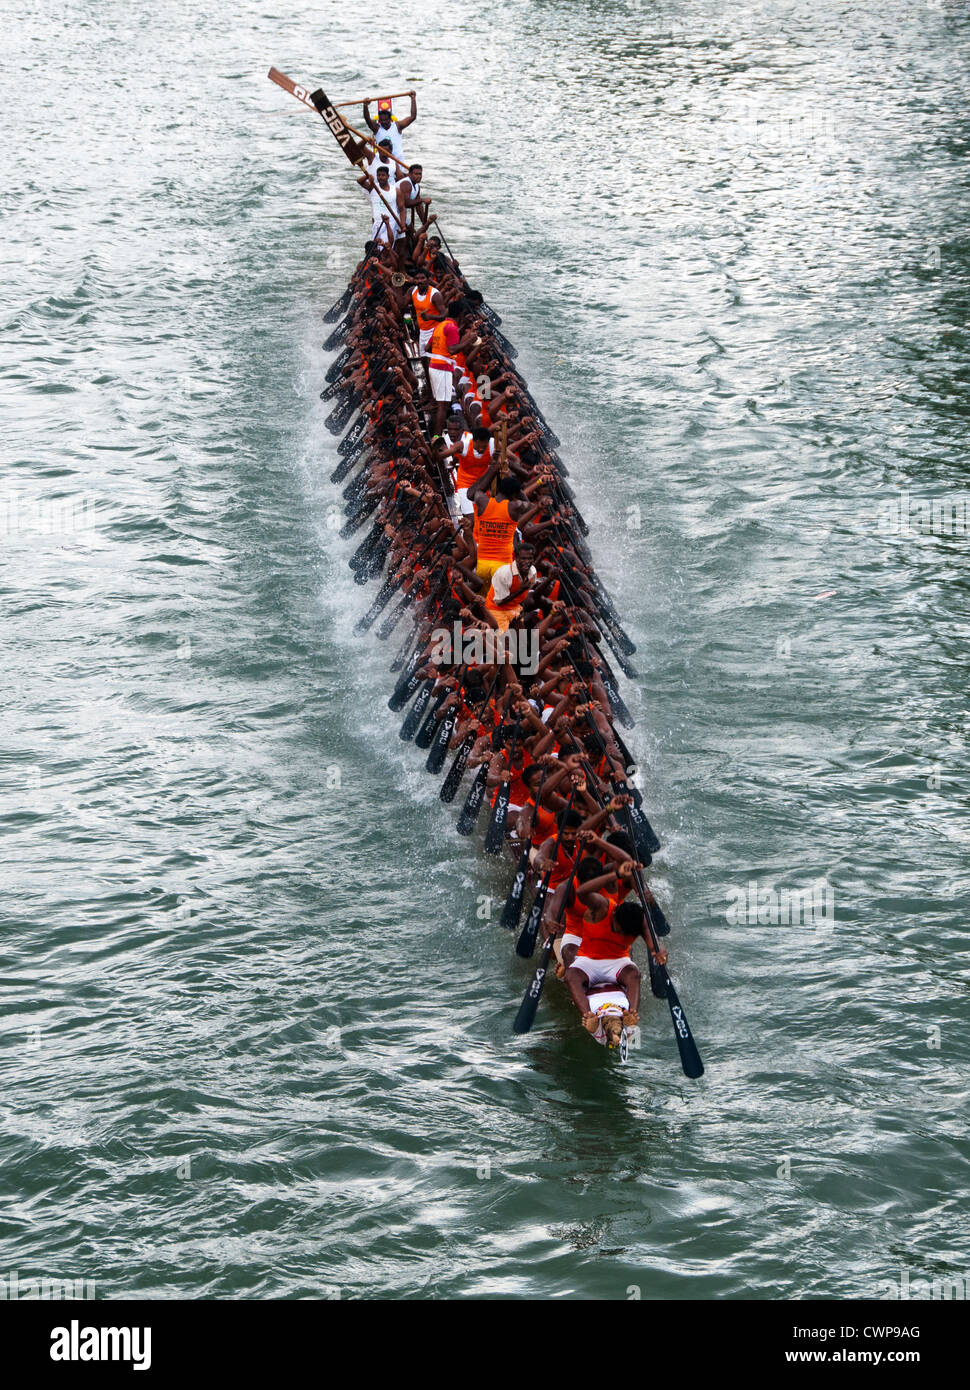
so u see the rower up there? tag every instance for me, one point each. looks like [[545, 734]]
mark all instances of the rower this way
[[390, 125], [495, 519], [381, 160], [386, 229], [610, 926], [474, 452], [510, 586], [445, 337], [409, 196], [429, 307]]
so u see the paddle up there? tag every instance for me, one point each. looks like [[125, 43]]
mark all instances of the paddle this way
[[407, 683], [650, 903], [338, 364], [525, 1017], [663, 987], [416, 712], [512, 910], [427, 731], [526, 943], [352, 438], [340, 306], [495, 834], [338, 334], [468, 816], [446, 727]]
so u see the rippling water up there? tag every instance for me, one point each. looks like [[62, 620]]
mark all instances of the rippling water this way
[[256, 1030]]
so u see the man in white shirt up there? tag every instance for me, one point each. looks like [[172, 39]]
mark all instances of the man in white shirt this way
[[510, 586], [389, 126], [382, 160], [387, 228]]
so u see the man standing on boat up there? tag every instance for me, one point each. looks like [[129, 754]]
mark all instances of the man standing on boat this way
[[409, 200], [381, 160], [442, 345], [429, 307], [496, 519], [389, 125], [387, 229]]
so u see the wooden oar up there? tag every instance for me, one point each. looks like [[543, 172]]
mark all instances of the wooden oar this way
[[526, 943], [663, 987], [416, 712], [422, 739], [340, 306], [384, 96], [661, 925], [512, 910], [446, 727], [457, 770], [318, 101], [525, 1017], [495, 834], [468, 816]]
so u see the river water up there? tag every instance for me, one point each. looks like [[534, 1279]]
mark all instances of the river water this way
[[256, 1003]]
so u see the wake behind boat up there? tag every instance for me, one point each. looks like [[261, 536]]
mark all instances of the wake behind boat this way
[[473, 531]]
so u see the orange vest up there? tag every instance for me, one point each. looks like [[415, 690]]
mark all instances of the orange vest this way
[[574, 917], [601, 942], [493, 531], [543, 826], [471, 466], [441, 359], [423, 307], [562, 866]]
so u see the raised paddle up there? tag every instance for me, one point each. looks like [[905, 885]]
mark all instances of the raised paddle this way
[[526, 943]]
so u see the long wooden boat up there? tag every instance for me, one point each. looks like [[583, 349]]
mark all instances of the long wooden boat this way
[[511, 685]]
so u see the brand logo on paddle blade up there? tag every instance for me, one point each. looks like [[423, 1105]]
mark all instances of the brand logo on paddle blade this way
[[680, 1023]]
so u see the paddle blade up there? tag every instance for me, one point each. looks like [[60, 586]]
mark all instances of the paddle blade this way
[[439, 744], [526, 943], [403, 691], [427, 731], [660, 924], [495, 835], [338, 309], [525, 1017], [690, 1058], [468, 817], [456, 772], [416, 713], [337, 336], [644, 835], [512, 910]]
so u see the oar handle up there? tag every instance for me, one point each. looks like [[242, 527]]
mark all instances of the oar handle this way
[[362, 101]]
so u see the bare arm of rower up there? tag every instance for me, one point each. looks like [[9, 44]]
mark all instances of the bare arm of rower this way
[[403, 125]]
